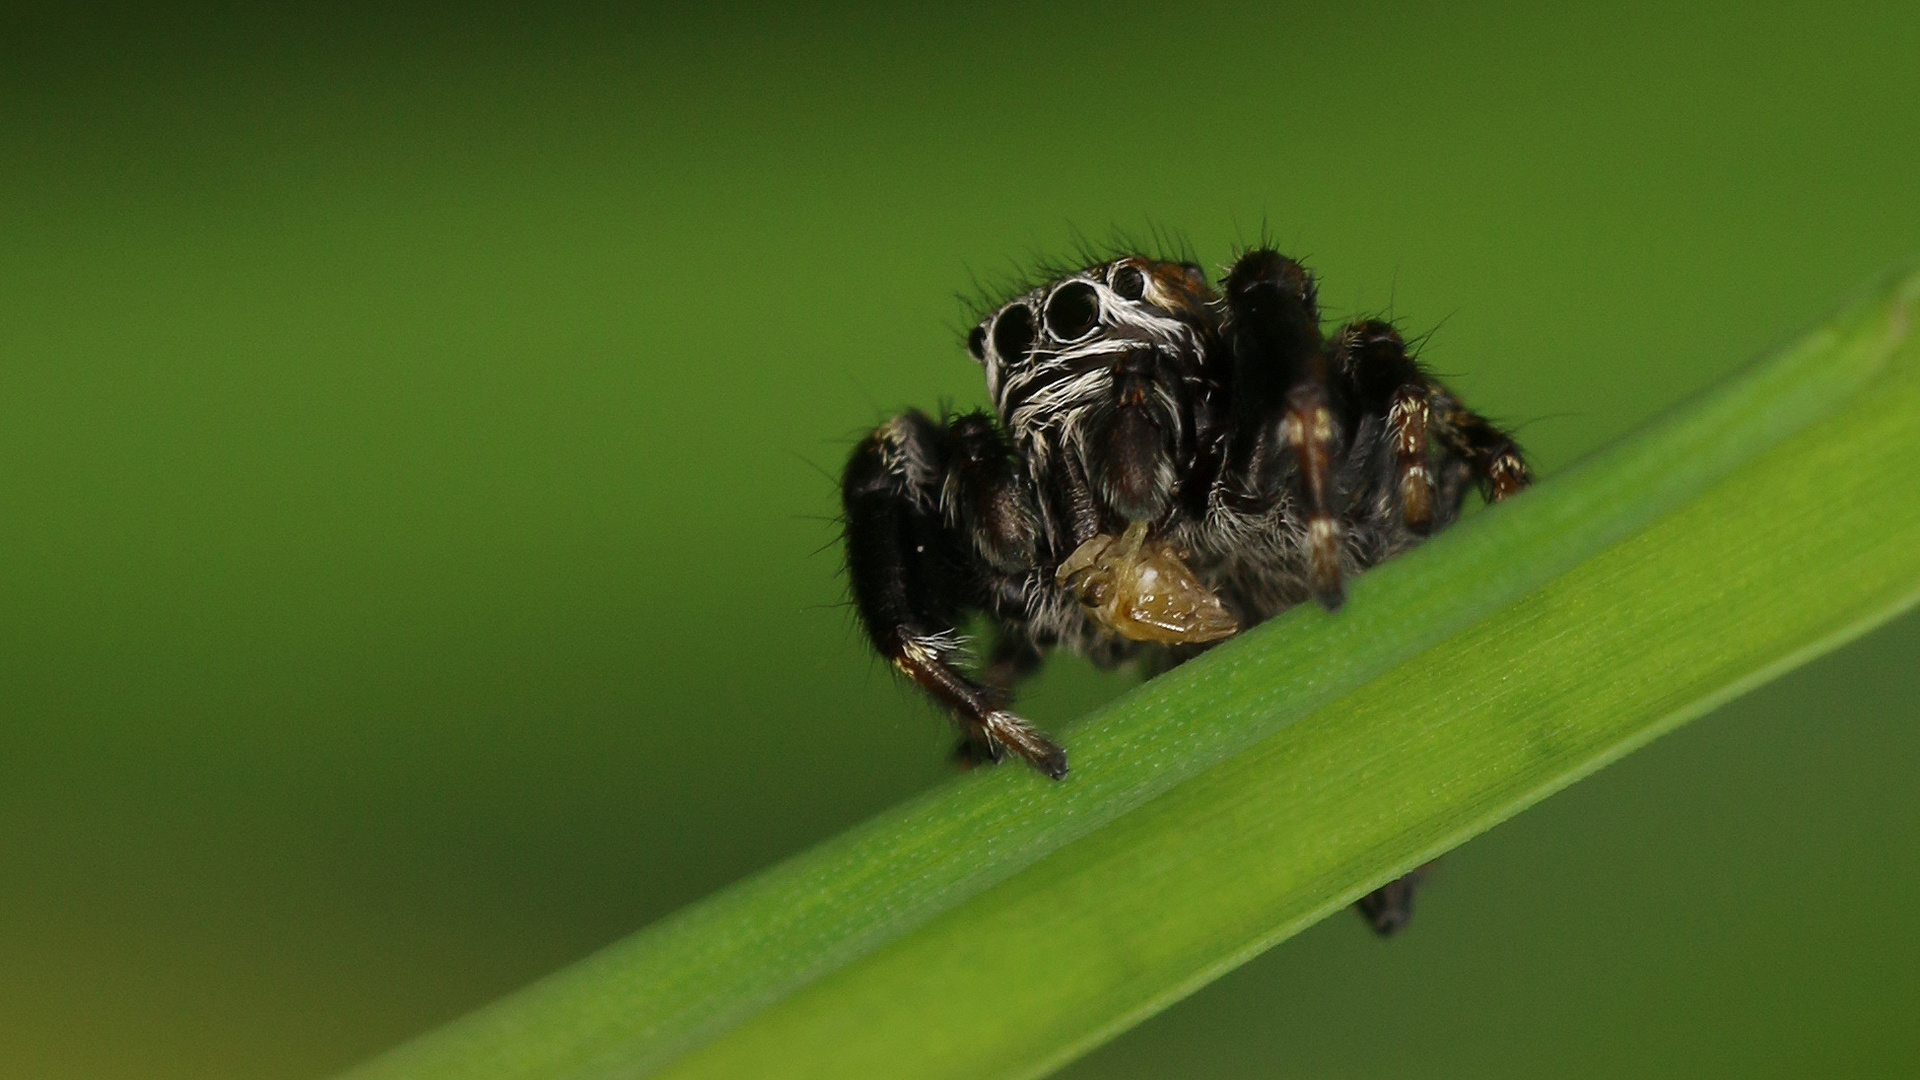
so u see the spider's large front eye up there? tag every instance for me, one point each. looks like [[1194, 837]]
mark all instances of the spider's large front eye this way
[[1013, 334], [1073, 310], [977, 343]]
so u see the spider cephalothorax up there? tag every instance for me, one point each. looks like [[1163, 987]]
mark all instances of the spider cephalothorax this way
[[1165, 463]]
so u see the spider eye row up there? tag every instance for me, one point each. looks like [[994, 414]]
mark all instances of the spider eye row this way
[[1071, 312]]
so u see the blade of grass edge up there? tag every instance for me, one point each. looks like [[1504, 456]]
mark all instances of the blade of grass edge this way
[[684, 981]]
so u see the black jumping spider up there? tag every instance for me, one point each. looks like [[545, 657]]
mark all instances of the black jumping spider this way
[[1164, 465]]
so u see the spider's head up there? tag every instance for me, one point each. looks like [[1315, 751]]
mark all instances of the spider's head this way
[[1099, 364]]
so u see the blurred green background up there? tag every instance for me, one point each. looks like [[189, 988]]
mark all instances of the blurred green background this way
[[417, 440]]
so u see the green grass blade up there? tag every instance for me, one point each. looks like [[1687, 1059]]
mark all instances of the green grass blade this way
[[1002, 924]]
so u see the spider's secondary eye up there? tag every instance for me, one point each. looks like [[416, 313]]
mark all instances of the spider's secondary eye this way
[[977, 343], [1013, 333], [1073, 310], [1129, 283]]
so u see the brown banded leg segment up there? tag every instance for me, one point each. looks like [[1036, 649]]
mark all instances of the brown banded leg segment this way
[[1407, 427], [1378, 376], [1309, 433], [1507, 474], [1012, 660], [1494, 457]]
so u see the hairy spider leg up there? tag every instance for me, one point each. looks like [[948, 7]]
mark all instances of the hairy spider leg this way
[[1382, 377], [1424, 416], [908, 568], [1494, 461], [1013, 659], [1280, 365]]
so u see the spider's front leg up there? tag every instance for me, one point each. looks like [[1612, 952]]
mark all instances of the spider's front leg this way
[[933, 513], [1285, 413]]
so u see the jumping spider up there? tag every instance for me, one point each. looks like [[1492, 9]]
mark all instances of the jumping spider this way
[[1164, 465]]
